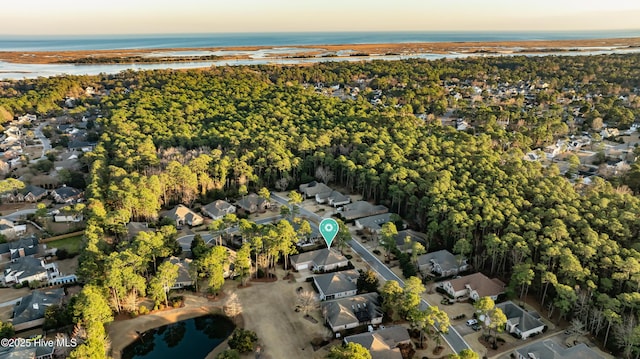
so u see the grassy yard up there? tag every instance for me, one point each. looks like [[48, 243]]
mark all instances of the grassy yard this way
[[71, 244]]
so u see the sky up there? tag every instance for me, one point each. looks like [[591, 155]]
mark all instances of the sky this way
[[49, 17]]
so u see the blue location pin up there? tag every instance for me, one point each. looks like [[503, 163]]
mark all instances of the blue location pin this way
[[329, 230]]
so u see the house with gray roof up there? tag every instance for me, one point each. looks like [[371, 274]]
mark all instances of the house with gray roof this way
[[352, 312], [549, 349], [321, 260], [313, 188], [27, 269], [253, 203], [333, 198], [185, 278], [374, 223], [218, 209], [29, 312], [383, 343], [405, 239], [20, 248], [66, 194], [441, 263], [360, 209], [519, 321], [184, 216], [336, 285]]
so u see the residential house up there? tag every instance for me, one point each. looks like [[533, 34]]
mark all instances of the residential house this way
[[185, 278], [218, 209], [83, 146], [519, 321], [66, 194], [442, 263], [374, 224], [360, 209], [28, 118], [29, 312], [336, 285], [28, 269], [382, 343], [405, 239], [610, 132], [352, 312], [311, 189], [20, 248], [10, 229], [321, 260], [184, 216], [253, 203], [68, 217], [333, 198], [549, 349], [29, 193], [474, 286]]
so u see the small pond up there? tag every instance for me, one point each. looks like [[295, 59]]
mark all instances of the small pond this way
[[195, 337]]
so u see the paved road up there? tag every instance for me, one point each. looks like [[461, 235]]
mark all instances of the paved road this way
[[46, 144], [18, 214], [452, 337], [10, 303]]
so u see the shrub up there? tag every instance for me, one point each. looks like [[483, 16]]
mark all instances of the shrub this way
[[229, 354], [243, 340], [376, 252], [62, 253], [143, 310]]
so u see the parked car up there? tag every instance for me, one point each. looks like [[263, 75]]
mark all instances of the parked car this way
[[476, 327], [472, 322], [447, 301]]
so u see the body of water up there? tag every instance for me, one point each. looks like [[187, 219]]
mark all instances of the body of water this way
[[159, 41], [283, 47], [194, 338]]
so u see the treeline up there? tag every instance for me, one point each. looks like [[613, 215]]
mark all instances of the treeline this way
[[179, 136], [139, 59]]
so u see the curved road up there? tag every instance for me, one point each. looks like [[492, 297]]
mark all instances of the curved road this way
[[452, 337], [46, 144]]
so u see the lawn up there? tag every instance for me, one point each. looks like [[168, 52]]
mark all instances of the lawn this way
[[71, 244]]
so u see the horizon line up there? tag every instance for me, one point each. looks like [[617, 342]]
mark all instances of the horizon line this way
[[322, 32]]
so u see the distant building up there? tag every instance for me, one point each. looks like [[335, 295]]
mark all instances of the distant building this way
[[218, 209], [519, 321], [28, 269], [360, 209], [29, 312], [66, 194], [352, 312], [29, 193], [10, 229], [473, 286], [323, 260], [441, 263], [552, 350], [20, 248], [336, 285], [184, 216], [373, 223], [253, 203], [382, 343], [185, 278], [405, 239]]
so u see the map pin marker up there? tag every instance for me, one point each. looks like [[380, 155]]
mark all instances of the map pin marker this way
[[328, 229]]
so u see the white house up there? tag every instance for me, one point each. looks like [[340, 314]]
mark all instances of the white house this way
[[519, 321], [28, 269], [68, 217]]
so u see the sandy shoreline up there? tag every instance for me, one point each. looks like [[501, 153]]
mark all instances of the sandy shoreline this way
[[48, 57]]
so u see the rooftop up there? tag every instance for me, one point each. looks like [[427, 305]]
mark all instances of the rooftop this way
[[548, 349], [320, 257], [382, 343], [34, 305], [338, 282]]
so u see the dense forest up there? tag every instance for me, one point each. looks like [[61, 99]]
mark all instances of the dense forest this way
[[184, 136]]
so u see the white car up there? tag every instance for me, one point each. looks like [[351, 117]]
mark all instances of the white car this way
[[471, 322]]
